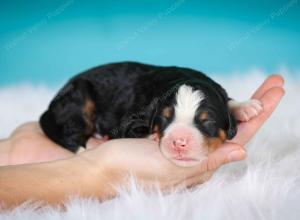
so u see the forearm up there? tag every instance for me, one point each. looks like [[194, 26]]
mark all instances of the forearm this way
[[52, 182]]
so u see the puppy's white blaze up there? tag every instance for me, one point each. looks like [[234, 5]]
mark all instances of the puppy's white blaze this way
[[187, 102]]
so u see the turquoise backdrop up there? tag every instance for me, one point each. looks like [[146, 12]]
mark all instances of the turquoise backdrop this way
[[49, 41]]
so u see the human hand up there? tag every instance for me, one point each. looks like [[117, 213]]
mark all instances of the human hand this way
[[95, 172], [28, 144], [270, 94], [143, 159]]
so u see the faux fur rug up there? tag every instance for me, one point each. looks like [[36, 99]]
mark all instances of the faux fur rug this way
[[264, 186]]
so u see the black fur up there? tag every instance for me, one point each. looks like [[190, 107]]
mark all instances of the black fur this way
[[126, 100]]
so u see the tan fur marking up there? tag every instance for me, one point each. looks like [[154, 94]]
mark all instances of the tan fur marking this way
[[156, 130], [203, 116], [88, 114], [167, 112], [222, 134], [213, 143], [89, 108]]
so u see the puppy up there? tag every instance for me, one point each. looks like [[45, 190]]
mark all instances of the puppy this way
[[188, 113]]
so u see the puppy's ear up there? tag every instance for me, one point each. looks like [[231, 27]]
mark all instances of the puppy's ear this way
[[232, 127]]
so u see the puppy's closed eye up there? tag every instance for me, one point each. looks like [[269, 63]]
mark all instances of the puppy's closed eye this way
[[209, 126], [162, 121]]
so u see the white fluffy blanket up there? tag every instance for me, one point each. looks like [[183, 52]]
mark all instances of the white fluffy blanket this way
[[264, 186]]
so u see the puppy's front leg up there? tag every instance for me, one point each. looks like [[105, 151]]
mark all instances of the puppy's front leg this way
[[244, 111]]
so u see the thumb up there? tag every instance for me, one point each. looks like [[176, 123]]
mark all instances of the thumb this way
[[228, 152]]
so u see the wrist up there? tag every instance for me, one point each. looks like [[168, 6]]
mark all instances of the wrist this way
[[97, 173], [54, 182]]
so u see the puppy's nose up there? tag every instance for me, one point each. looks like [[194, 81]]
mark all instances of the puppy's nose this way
[[180, 144]]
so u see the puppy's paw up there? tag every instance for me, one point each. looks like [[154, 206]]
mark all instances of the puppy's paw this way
[[153, 137], [244, 111], [80, 150]]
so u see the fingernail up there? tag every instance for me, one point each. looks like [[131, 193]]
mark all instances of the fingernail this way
[[236, 155]]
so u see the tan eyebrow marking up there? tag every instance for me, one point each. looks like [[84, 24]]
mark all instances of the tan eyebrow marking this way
[[203, 116], [167, 112]]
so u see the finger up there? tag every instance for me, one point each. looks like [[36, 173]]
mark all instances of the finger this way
[[228, 152], [270, 82], [247, 129]]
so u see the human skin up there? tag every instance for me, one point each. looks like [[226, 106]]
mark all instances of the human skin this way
[[96, 172]]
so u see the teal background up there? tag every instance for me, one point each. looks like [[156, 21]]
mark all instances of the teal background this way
[[49, 41]]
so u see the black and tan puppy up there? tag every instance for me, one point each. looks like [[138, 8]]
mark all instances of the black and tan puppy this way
[[186, 111]]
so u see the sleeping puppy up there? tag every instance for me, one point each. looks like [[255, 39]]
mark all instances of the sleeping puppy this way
[[188, 113]]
